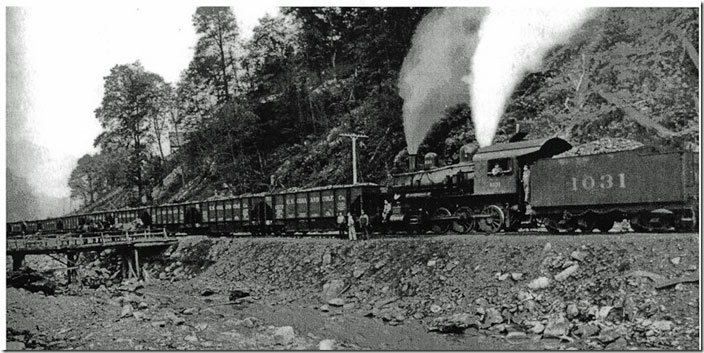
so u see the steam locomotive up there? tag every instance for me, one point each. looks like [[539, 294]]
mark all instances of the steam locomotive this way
[[521, 183], [503, 187]]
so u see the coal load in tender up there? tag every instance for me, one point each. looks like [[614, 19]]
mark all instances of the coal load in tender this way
[[604, 145]]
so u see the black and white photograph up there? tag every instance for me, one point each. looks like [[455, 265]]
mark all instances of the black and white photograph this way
[[392, 176]]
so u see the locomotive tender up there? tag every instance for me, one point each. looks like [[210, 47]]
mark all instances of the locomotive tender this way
[[505, 186]]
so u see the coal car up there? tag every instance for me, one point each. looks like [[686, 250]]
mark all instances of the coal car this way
[[316, 209]]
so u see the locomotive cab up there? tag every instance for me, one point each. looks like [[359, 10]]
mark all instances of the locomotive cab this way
[[499, 168]]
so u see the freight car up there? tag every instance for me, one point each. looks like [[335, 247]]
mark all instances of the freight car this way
[[316, 209], [286, 212]]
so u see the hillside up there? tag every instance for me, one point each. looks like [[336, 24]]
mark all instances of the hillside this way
[[627, 73]]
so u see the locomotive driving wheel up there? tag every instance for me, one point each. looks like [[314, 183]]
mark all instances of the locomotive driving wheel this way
[[441, 226], [465, 223], [492, 220]]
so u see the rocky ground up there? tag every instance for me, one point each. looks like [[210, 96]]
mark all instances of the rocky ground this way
[[598, 291]]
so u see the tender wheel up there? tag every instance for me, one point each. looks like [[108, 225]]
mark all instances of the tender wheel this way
[[604, 225], [636, 223], [569, 227], [586, 225], [514, 221], [466, 223], [441, 227], [551, 225], [494, 220]]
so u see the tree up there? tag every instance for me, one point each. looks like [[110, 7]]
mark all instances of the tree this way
[[132, 98], [214, 59], [86, 181], [165, 102], [228, 148], [274, 79]]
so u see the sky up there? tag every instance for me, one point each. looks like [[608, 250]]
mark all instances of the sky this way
[[57, 56]]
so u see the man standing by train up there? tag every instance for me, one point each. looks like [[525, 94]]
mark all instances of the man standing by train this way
[[350, 227], [364, 225], [341, 224], [525, 179]]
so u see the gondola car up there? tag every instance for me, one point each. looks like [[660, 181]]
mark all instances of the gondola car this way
[[316, 209]]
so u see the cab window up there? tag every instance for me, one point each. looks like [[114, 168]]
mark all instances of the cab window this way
[[498, 167]]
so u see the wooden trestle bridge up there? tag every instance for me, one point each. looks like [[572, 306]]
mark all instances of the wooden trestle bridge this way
[[127, 243]]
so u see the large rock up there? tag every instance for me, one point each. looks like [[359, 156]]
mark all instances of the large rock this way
[[537, 327], [572, 310], [610, 334], [493, 316], [618, 345], [14, 346], [332, 289], [566, 273], [336, 302], [454, 323], [516, 337], [661, 325], [126, 311], [578, 255], [326, 345], [557, 327], [587, 330], [284, 335], [539, 283]]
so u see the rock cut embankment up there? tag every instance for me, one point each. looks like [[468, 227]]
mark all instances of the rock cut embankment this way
[[591, 292]]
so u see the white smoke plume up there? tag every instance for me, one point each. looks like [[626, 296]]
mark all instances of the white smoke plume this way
[[431, 76], [512, 42]]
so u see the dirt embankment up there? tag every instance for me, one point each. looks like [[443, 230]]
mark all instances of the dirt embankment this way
[[454, 292]]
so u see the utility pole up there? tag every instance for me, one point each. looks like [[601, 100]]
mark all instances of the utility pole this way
[[354, 138]]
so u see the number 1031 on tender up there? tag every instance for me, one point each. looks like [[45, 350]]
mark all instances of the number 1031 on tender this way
[[605, 181]]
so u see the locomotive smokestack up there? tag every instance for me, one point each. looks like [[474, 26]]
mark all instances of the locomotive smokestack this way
[[412, 160]]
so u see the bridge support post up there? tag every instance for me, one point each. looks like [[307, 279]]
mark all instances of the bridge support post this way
[[123, 267], [136, 263], [127, 258], [72, 272], [17, 261]]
